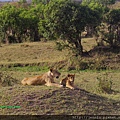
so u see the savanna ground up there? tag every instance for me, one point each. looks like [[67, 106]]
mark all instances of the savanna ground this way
[[28, 59]]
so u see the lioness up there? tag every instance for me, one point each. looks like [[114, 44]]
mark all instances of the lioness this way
[[45, 79], [68, 81]]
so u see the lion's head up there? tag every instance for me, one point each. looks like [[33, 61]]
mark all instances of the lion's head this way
[[71, 77], [55, 73]]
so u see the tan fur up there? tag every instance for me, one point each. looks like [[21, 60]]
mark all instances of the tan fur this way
[[68, 81], [45, 79]]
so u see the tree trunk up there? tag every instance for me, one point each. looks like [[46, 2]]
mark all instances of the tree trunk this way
[[118, 34], [6, 39], [89, 31], [36, 35], [78, 45]]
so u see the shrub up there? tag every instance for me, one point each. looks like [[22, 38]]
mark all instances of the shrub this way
[[6, 80], [99, 65], [77, 63], [105, 83]]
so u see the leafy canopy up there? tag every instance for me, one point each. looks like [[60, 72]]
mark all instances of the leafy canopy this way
[[66, 20]]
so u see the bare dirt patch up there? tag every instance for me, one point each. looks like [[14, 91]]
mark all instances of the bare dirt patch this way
[[40, 100]]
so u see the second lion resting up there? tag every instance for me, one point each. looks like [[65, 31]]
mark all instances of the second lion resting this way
[[68, 81], [45, 79]]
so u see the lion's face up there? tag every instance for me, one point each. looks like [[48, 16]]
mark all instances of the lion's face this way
[[71, 77], [55, 73]]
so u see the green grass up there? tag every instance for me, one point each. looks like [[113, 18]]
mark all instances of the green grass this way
[[30, 59], [84, 79]]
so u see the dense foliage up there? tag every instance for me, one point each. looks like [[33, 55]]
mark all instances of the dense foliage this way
[[60, 19]]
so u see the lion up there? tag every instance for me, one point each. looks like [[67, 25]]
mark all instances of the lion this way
[[68, 81], [45, 79]]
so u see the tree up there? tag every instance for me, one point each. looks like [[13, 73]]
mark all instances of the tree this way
[[29, 24], [112, 35], [102, 2], [40, 1], [95, 5], [17, 24], [9, 17], [23, 1], [66, 20]]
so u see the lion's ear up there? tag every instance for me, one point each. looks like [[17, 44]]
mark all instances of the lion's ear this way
[[51, 69]]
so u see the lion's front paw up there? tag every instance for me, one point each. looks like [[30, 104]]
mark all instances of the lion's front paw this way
[[73, 88], [61, 86]]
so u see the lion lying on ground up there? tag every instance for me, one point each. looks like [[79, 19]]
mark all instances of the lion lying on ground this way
[[68, 81], [45, 79]]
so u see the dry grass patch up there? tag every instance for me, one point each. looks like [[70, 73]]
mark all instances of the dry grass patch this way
[[30, 53]]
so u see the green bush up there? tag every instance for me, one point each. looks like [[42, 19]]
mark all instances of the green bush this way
[[98, 65], [77, 63], [6, 80], [104, 83]]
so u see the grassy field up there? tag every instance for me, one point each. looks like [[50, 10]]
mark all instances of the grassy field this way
[[29, 59]]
